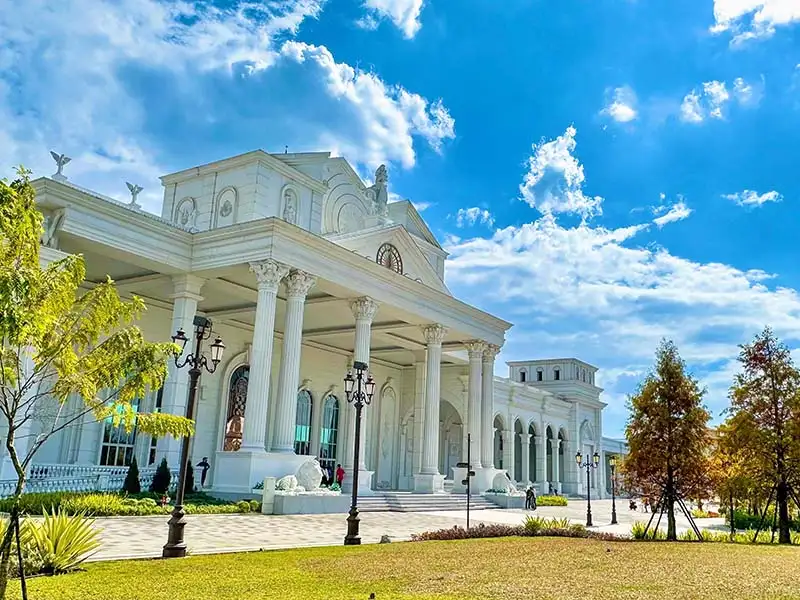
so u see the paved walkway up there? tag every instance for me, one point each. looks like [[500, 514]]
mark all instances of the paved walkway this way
[[143, 537]]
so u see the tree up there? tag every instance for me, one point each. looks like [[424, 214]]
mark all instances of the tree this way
[[764, 420], [131, 484], [161, 478], [667, 435], [730, 479], [61, 343]]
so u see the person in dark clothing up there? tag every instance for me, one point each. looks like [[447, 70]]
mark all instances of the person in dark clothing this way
[[528, 498], [205, 466]]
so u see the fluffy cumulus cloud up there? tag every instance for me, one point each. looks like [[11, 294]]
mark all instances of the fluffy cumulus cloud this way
[[621, 105], [752, 19], [711, 99], [751, 198], [405, 14], [467, 217], [614, 294], [73, 83], [555, 178]]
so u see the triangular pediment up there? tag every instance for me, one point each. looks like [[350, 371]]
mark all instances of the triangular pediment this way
[[416, 265]]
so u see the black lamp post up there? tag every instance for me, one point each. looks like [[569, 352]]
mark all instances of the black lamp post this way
[[359, 391], [588, 465], [175, 546], [612, 462]]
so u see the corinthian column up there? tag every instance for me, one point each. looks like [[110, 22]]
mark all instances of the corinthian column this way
[[268, 274], [475, 349], [487, 405], [298, 283], [525, 448], [429, 479]]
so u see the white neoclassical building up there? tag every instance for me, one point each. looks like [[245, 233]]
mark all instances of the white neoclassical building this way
[[303, 269]]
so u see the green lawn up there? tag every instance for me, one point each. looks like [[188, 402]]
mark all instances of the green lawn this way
[[505, 569]]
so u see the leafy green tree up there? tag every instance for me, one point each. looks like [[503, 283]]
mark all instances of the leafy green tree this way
[[764, 420], [60, 342], [161, 478], [667, 435], [131, 484]]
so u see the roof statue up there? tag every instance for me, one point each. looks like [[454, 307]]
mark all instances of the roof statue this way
[[61, 161], [379, 192], [134, 190]]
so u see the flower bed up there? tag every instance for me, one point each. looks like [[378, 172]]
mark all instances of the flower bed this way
[[533, 526]]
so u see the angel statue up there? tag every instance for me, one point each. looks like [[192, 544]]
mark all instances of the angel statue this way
[[61, 161], [134, 190], [379, 193]]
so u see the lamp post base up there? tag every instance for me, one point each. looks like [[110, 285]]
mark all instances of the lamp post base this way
[[589, 519], [352, 538], [613, 515], [175, 546]]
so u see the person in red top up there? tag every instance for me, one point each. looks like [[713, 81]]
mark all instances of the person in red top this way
[[339, 475]]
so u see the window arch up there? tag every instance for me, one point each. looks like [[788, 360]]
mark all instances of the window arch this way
[[329, 436], [389, 257], [237, 399], [302, 426], [523, 376], [556, 373]]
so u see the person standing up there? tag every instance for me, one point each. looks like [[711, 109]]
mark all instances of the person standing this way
[[339, 475], [533, 498], [528, 498], [205, 466]]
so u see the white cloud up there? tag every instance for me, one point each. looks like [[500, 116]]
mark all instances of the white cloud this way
[[670, 214], [403, 13], [420, 206], [64, 85], [554, 182], [752, 19], [712, 99], [467, 217], [751, 198], [622, 105]]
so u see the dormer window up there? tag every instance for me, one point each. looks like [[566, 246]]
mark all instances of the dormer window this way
[[557, 374], [539, 375], [389, 257]]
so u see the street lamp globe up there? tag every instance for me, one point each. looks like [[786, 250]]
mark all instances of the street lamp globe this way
[[349, 384], [217, 350], [612, 461], [180, 339], [596, 459], [369, 387], [579, 458]]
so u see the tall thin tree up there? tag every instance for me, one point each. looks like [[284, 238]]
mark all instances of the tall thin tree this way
[[667, 434]]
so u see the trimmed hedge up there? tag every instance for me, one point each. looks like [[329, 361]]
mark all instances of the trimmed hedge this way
[[551, 501], [741, 537], [533, 527], [113, 505]]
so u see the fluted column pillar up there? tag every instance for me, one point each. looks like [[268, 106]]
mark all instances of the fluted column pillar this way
[[475, 349], [525, 449], [508, 452], [268, 275], [541, 459], [298, 283], [429, 479], [487, 405], [554, 445], [185, 297]]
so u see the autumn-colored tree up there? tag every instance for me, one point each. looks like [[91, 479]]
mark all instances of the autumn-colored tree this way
[[60, 343], [667, 434], [731, 480], [764, 420]]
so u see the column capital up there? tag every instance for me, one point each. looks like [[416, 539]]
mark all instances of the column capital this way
[[269, 273], [298, 283], [364, 308], [526, 439], [434, 334], [490, 351], [186, 285], [475, 348]]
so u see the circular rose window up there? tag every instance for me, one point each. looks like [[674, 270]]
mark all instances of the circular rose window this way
[[389, 257]]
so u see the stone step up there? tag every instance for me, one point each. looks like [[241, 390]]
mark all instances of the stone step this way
[[407, 502]]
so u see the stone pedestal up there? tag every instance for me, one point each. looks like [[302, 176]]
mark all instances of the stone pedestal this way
[[268, 496], [428, 483], [364, 483], [238, 472]]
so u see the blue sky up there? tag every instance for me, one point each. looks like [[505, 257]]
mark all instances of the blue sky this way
[[604, 173]]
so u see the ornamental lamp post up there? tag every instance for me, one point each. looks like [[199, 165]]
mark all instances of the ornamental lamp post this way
[[612, 462], [588, 465], [176, 546], [359, 391]]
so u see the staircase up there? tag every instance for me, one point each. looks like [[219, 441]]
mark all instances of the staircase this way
[[410, 502]]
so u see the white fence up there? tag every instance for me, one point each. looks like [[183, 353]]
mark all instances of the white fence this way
[[78, 478]]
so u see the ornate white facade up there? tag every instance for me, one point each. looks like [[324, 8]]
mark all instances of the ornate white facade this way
[[303, 269]]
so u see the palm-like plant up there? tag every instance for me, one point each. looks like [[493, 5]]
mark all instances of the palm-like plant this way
[[62, 542]]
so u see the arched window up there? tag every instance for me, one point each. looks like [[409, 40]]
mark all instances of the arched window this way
[[302, 427], [237, 398], [389, 257], [118, 444], [329, 436], [522, 376], [539, 374], [556, 374]]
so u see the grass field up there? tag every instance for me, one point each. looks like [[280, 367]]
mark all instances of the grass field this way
[[505, 569]]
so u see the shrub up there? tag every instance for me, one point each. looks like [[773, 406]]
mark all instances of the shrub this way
[[161, 478], [745, 520], [131, 484], [551, 501], [533, 526], [335, 487], [63, 542], [243, 506], [255, 506]]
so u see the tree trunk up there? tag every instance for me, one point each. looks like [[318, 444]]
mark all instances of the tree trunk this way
[[732, 517], [784, 533], [672, 534]]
